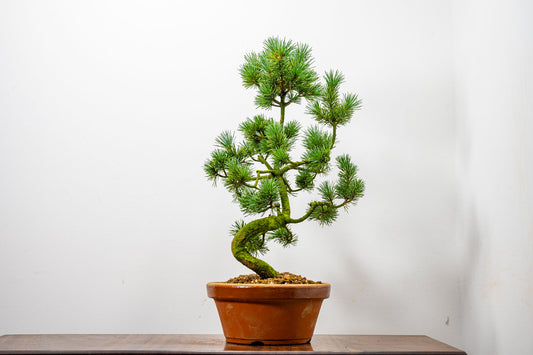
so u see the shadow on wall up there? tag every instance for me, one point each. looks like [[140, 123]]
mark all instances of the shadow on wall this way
[[479, 319]]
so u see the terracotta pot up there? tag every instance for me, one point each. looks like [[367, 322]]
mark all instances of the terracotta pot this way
[[268, 313]]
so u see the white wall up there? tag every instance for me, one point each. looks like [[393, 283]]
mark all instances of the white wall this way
[[494, 75], [109, 109]]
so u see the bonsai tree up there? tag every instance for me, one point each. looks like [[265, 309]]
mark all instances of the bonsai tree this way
[[260, 170]]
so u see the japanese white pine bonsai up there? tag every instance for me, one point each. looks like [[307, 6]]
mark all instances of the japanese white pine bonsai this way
[[260, 170]]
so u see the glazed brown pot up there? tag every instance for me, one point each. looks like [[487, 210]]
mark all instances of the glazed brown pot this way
[[268, 313]]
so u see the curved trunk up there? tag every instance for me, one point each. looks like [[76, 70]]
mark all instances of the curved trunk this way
[[252, 229]]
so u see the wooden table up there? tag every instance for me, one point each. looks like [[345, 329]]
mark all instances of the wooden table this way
[[215, 344]]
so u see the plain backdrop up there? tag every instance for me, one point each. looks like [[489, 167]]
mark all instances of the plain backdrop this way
[[108, 110]]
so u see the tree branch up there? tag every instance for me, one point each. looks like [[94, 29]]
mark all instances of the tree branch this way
[[343, 204], [259, 177], [334, 136], [265, 162], [293, 165], [312, 207]]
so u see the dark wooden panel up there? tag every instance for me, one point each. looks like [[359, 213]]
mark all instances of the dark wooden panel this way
[[215, 344]]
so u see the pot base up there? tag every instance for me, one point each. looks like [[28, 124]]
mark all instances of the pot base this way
[[268, 342]]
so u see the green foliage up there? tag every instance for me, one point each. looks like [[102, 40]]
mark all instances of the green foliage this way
[[318, 145], [266, 136], [283, 236], [282, 73], [325, 214], [214, 167], [349, 187], [225, 141], [259, 169], [275, 138], [261, 200], [254, 131], [280, 157], [237, 175], [291, 130], [316, 138], [228, 162], [330, 109], [256, 244], [237, 226], [305, 179], [327, 192]]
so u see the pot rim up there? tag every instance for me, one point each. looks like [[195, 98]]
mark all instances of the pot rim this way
[[266, 285], [232, 291]]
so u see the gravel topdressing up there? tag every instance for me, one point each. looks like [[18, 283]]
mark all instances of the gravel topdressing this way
[[282, 278]]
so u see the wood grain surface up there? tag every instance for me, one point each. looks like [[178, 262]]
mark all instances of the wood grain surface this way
[[215, 344]]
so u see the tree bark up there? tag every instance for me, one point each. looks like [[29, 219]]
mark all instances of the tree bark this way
[[252, 229]]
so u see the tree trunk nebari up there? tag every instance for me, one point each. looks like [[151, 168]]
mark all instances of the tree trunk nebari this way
[[252, 229]]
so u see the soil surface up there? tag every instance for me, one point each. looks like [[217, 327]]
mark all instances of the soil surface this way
[[282, 278]]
